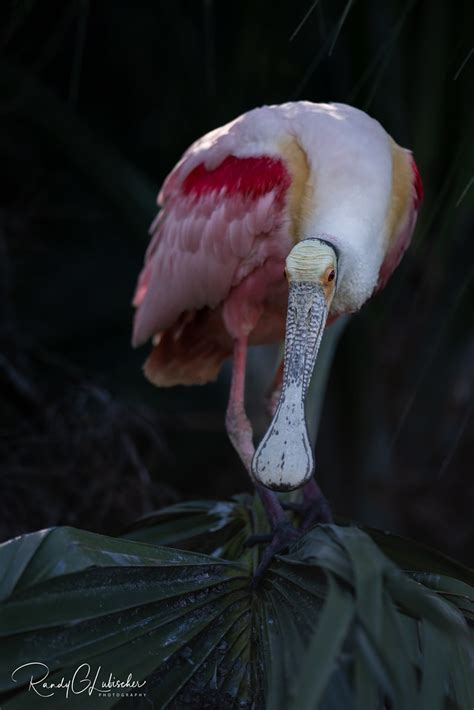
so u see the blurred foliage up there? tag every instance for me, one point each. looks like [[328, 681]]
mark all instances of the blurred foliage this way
[[98, 100], [72, 452], [191, 625]]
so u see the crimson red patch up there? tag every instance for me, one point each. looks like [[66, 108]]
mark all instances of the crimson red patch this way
[[418, 184], [253, 177]]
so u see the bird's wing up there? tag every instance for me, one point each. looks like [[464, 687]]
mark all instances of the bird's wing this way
[[406, 212], [208, 235]]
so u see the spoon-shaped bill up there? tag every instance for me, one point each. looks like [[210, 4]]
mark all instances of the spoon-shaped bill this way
[[284, 459]]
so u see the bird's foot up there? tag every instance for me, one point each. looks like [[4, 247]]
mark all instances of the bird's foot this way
[[316, 511], [313, 509], [282, 536]]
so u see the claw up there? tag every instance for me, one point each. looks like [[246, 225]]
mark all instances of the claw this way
[[313, 510], [284, 535]]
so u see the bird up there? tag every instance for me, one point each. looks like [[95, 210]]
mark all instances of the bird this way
[[271, 227]]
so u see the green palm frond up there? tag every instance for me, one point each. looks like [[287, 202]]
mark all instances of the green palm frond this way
[[334, 624]]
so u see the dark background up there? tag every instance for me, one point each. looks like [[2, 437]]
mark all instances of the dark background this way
[[97, 102]]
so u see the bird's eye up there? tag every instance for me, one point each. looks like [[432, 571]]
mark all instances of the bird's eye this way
[[331, 275]]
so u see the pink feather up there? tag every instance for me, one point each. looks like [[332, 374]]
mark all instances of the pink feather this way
[[216, 227]]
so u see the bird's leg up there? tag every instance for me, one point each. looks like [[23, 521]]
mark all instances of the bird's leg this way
[[240, 433], [313, 509], [237, 423], [315, 506]]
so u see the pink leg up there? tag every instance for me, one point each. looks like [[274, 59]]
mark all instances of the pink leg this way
[[237, 423], [319, 510], [240, 432], [314, 509]]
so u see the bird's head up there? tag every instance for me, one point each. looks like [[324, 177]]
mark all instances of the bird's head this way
[[314, 261], [284, 459]]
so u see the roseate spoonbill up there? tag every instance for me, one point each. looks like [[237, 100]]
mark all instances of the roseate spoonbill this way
[[288, 216]]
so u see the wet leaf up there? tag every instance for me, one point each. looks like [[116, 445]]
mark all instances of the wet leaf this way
[[334, 623]]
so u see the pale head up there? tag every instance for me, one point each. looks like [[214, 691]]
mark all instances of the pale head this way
[[313, 261]]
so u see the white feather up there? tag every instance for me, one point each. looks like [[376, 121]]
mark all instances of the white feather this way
[[350, 161]]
